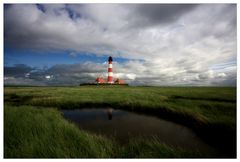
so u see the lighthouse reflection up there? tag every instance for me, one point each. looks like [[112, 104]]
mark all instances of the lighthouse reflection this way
[[109, 113], [127, 125]]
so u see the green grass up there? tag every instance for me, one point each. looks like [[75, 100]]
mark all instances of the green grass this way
[[31, 132], [204, 104], [207, 110], [152, 148]]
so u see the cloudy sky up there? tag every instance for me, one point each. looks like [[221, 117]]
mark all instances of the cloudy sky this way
[[151, 44]]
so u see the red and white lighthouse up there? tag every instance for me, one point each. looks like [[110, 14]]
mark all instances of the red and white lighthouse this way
[[110, 72]]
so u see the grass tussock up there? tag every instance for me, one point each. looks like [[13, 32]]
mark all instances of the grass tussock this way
[[31, 132]]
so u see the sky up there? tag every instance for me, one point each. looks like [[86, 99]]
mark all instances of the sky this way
[[151, 44]]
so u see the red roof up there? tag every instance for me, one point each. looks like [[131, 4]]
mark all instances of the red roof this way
[[100, 80], [119, 81]]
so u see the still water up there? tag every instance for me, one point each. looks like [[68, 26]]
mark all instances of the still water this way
[[123, 125]]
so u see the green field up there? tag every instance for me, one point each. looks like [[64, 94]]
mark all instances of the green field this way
[[33, 126]]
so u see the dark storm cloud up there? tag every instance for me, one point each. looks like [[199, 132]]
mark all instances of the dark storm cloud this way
[[87, 67], [149, 14], [74, 74], [19, 70], [227, 15], [43, 28], [63, 74]]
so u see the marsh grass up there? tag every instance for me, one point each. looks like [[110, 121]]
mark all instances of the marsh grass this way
[[210, 111], [39, 133], [205, 104], [33, 132]]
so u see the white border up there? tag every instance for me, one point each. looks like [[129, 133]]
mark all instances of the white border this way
[[1, 79], [238, 95], [119, 1], [108, 1]]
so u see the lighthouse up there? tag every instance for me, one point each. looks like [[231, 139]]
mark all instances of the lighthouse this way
[[110, 72], [110, 80]]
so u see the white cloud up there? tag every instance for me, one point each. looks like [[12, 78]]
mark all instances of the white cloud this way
[[178, 46], [48, 77], [27, 75]]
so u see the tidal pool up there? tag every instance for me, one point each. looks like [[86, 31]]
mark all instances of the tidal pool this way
[[123, 125]]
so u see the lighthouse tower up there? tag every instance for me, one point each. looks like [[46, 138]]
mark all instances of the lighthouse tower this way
[[110, 72]]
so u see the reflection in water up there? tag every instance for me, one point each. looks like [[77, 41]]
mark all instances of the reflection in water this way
[[109, 113], [127, 125]]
